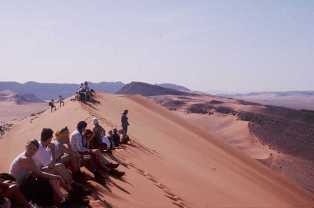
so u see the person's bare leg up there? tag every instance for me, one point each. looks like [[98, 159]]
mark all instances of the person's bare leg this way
[[15, 194], [59, 196], [100, 158], [65, 174], [75, 161], [66, 183]]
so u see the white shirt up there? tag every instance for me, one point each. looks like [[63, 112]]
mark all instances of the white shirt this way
[[17, 170], [76, 142], [43, 156], [106, 141]]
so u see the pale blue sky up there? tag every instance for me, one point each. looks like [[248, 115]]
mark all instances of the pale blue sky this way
[[235, 45]]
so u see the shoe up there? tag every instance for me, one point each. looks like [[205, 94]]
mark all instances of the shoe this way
[[113, 166], [116, 173]]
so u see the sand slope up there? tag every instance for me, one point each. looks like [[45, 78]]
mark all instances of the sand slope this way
[[170, 162]]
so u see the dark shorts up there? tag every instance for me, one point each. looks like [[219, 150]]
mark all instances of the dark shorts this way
[[37, 190]]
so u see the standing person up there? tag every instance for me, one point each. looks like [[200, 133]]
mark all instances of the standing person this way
[[61, 101], [125, 122], [52, 105]]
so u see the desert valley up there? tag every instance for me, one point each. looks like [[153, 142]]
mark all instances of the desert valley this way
[[186, 149]]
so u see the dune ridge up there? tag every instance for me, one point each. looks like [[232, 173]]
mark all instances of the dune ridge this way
[[169, 163]]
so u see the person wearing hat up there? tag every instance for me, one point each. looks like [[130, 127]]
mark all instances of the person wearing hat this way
[[125, 122]]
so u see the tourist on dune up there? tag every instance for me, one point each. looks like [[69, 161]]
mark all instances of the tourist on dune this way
[[124, 139], [110, 140], [99, 133], [101, 141], [92, 143], [45, 159], [79, 144], [82, 92], [125, 122], [116, 137], [61, 101], [37, 185], [11, 192], [63, 152], [52, 105]]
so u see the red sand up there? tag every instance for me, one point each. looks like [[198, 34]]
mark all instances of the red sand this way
[[170, 162]]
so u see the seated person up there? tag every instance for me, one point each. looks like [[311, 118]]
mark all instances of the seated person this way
[[36, 184], [116, 138], [92, 143], [79, 144], [63, 152], [124, 139], [44, 159], [99, 133], [10, 190], [110, 141]]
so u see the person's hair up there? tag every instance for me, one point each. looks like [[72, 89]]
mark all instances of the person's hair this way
[[115, 130], [61, 131], [33, 142], [125, 111], [46, 134], [65, 129], [81, 125], [88, 132]]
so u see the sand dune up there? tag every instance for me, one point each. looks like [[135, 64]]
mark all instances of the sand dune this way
[[170, 162]]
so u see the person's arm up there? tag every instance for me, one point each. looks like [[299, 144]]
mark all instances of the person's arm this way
[[65, 149], [37, 172], [53, 154], [77, 144]]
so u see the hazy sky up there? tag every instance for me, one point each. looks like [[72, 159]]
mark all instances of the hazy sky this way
[[234, 45]]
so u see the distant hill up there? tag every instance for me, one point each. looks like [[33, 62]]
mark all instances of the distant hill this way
[[146, 89], [9, 96], [174, 87], [47, 91], [289, 99]]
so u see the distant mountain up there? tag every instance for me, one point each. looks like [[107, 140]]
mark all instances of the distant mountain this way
[[174, 87], [146, 89], [289, 99], [47, 91], [9, 96]]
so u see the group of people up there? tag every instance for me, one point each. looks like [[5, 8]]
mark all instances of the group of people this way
[[84, 93], [49, 169], [52, 103]]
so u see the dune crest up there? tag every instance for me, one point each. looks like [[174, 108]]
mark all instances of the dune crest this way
[[169, 162]]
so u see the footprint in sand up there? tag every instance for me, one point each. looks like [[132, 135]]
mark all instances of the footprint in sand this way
[[176, 200]]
